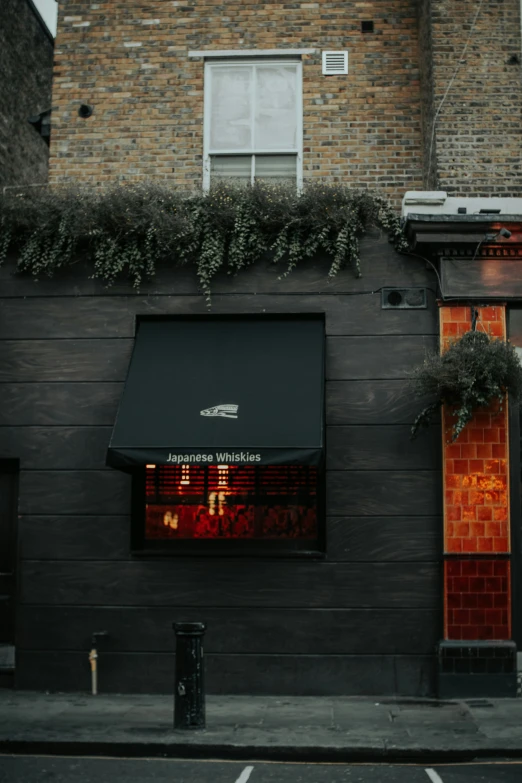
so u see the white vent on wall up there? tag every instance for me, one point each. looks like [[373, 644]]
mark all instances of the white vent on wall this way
[[335, 63]]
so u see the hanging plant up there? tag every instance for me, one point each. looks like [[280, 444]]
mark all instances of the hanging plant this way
[[126, 231], [472, 373]]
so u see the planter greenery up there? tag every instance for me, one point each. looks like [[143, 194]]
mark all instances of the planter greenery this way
[[472, 373], [129, 229]]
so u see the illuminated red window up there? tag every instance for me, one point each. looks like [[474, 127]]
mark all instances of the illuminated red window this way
[[230, 502]]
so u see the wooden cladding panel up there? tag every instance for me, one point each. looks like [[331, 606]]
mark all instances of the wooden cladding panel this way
[[357, 493], [64, 360], [75, 537], [74, 492], [358, 358], [56, 448], [349, 539], [374, 539], [380, 264], [382, 448], [370, 402], [361, 358], [349, 447], [59, 404], [198, 582], [115, 316], [299, 675], [382, 493], [233, 630], [90, 404]]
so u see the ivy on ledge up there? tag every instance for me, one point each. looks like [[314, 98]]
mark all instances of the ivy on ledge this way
[[127, 230]]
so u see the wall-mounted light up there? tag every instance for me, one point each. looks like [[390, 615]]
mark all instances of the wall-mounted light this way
[[504, 233]]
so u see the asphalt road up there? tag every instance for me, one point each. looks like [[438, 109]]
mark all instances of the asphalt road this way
[[56, 769]]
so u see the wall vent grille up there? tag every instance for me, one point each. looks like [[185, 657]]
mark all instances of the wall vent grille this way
[[335, 63]]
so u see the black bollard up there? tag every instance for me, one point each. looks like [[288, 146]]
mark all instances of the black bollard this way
[[189, 693]]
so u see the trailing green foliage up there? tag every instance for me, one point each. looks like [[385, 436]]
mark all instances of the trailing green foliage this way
[[473, 372], [128, 230]]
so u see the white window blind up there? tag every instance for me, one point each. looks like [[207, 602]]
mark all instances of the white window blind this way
[[253, 121], [245, 168]]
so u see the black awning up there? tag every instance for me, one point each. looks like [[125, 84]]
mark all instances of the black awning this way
[[210, 390]]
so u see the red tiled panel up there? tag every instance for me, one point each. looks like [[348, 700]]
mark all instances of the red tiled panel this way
[[476, 469], [477, 604]]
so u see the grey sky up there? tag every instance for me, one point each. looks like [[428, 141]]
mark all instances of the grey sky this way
[[48, 10]]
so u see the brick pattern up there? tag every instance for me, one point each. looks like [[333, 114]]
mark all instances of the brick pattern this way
[[477, 603], [477, 121], [476, 503], [476, 473], [129, 59]]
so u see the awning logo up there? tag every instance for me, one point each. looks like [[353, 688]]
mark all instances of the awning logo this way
[[227, 411]]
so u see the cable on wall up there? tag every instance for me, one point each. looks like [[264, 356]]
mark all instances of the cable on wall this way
[[448, 88]]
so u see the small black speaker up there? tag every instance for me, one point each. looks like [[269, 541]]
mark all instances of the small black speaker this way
[[404, 299]]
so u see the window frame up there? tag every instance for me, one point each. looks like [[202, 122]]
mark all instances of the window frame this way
[[210, 65]]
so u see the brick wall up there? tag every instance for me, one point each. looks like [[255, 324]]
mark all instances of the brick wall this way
[[129, 60], [476, 505], [476, 146], [26, 62]]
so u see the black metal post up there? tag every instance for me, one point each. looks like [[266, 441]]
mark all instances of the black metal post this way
[[189, 693]]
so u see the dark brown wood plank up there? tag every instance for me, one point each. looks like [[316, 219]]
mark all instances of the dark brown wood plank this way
[[372, 539], [64, 360], [77, 280], [383, 493], [380, 265], [482, 277], [107, 360], [75, 537], [353, 539], [348, 448], [278, 675], [382, 448], [362, 358], [115, 316], [200, 582], [74, 492], [354, 493], [53, 448], [76, 404], [371, 402], [237, 631], [54, 404]]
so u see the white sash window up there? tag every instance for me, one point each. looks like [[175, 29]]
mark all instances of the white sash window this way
[[253, 121]]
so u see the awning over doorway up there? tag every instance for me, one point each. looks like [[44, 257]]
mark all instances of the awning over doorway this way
[[232, 390]]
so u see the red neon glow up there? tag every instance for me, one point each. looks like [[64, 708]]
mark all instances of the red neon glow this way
[[231, 501]]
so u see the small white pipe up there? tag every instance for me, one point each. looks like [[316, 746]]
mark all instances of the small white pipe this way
[[93, 658]]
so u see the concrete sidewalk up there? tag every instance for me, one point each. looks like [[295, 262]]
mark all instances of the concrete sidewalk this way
[[304, 728], [297, 728]]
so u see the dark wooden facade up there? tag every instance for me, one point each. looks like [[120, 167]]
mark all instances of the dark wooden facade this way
[[365, 619]]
